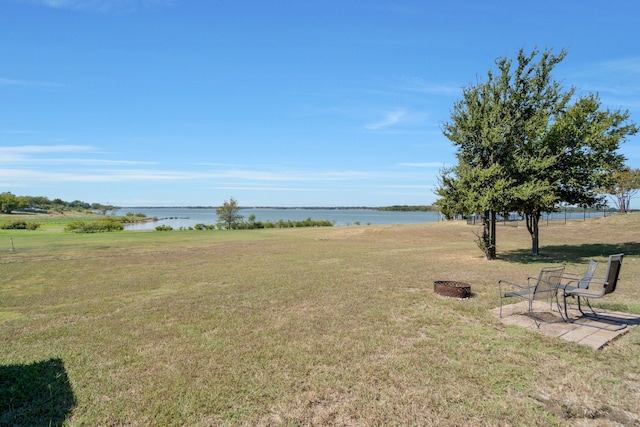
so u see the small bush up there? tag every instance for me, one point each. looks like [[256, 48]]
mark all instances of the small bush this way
[[201, 226], [164, 228], [100, 226], [20, 224]]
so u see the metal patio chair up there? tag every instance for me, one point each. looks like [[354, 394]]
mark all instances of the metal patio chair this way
[[543, 287], [595, 287], [572, 281]]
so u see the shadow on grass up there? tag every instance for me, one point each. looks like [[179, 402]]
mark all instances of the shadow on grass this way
[[570, 253], [38, 394]]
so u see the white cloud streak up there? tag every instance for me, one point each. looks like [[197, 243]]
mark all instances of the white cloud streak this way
[[26, 153], [35, 166], [428, 165], [616, 81], [38, 149], [390, 119], [27, 83], [153, 175], [422, 87], [103, 6]]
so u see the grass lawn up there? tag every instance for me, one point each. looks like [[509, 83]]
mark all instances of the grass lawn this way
[[317, 326]]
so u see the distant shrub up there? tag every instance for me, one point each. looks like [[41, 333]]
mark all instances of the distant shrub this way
[[20, 224], [131, 217], [283, 224], [164, 228], [100, 226], [201, 226]]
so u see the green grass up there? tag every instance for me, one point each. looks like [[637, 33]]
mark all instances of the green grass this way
[[323, 326]]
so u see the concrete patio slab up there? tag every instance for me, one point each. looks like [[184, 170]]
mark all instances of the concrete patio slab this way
[[593, 331]]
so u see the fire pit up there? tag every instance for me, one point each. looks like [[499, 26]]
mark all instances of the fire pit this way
[[452, 289]]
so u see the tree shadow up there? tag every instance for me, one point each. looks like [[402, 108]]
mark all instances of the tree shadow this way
[[37, 394], [570, 253]]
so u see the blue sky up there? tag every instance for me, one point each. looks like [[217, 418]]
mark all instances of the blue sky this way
[[273, 103]]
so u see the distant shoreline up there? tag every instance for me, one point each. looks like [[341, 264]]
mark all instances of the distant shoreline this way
[[406, 208]]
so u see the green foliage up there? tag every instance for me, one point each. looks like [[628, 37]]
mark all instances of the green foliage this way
[[252, 224], [201, 226], [99, 226], [287, 224], [135, 215], [9, 203], [20, 225], [164, 228], [59, 205], [523, 146], [622, 186], [131, 218], [228, 214], [407, 208]]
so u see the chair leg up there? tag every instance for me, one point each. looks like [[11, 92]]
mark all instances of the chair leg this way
[[533, 316], [560, 308], [580, 307], [618, 324], [591, 308], [566, 314]]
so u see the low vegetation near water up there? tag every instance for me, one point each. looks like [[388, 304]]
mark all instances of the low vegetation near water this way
[[304, 326]]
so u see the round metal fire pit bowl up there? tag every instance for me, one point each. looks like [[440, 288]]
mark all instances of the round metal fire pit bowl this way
[[452, 289]]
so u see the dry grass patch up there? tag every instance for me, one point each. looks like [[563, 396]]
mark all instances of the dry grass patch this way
[[326, 326]]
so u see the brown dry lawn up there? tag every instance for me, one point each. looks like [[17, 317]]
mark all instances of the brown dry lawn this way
[[322, 326]]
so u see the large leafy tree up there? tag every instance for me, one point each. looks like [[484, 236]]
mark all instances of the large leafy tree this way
[[478, 184], [524, 146], [9, 202]]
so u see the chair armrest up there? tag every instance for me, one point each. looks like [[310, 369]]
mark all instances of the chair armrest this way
[[571, 283], [517, 285], [573, 276], [585, 291]]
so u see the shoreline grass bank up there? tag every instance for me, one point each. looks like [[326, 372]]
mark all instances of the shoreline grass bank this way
[[327, 326]]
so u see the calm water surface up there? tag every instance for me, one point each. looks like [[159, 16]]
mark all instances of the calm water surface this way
[[189, 217]]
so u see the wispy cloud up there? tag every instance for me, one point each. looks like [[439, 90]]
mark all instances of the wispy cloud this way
[[91, 174], [38, 149], [27, 83], [83, 176], [390, 119], [28, 153], [429, 165], [628, 66], [103, 6], [616, 81], [288, 175], [399, 120], [267, 188], [421, 86], [46, 166]]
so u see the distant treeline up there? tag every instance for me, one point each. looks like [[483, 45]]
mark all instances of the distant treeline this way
[[409, 208], [400, 208], [10, 202]]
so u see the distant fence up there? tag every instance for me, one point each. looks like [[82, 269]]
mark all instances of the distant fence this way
[[566, 215]]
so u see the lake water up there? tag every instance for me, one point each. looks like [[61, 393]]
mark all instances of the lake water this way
[[189, 217]]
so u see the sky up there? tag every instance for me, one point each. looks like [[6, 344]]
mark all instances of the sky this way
[[273, 102]]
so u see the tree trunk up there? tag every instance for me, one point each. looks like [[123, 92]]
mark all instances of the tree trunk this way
[[533, 221], [489, 235], [492, 240]]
